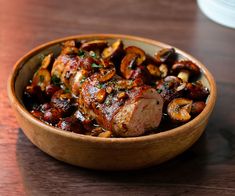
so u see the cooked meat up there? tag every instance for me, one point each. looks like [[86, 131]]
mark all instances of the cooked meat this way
[[141, 113], [71, 71], [104, 90], [134, 114], [59, 65], [126, 112]]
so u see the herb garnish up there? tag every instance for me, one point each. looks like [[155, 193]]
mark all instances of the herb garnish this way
[[67, 90], [107, 102], [83, 79], [100, 86], [41, 78], [94, 65], [55, 80], [81, 53], [93, 54]]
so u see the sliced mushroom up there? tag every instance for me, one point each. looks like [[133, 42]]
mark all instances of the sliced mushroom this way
[[173, 79], [41, 78], [164, 70], [197, 107], [179, 110], [46, 61], [196, 91], [106, 74], [69, 47], [94, 45], [105, 134], [128, 84], [139, 52], [106, 63], [122, 95], [181, 87], [113, 50], [69, 43], [170, 88], [172, 82], [166, 56], [128, 65], [154, 70], [101, 95], [185, 69], [142, 73], [69, 50], [124, 84]]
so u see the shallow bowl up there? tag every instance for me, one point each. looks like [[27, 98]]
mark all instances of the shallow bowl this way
[[105, 153]]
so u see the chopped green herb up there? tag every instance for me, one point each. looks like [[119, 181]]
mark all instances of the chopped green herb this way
[[83, 79], [107, 102], [166, 84], [159, 91], [41, 78], [55, 80], [67, 90], [94, 65], [100, 86], [93, 54], [81, 53]]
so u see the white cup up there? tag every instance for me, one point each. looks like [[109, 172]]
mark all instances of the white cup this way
[[220, 11]]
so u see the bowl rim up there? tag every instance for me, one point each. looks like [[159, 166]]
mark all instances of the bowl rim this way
[[149, 138]]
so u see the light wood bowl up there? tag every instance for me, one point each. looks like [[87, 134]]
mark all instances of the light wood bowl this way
[[105, 153]]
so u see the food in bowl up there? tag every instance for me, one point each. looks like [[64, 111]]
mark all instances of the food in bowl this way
[[112, 90], [119, 153]]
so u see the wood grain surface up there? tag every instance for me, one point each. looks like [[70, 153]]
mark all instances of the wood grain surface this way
[[208, 168]]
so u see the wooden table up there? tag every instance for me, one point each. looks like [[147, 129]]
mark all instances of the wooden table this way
[[208, 168]]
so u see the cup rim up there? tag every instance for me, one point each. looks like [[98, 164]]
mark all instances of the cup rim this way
[[146, 138]]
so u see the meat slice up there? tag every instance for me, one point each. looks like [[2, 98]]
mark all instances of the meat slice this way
[[127, 111], [59, 65], [71, 70], [133, 115], [141, 113]]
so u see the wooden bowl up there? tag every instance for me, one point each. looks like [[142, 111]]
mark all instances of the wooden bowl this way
[[105, 153]]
